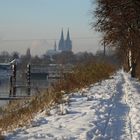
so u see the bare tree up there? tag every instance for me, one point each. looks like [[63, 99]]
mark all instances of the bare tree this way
[[119, 21]]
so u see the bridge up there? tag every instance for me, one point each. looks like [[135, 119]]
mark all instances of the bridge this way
[[52, 71]]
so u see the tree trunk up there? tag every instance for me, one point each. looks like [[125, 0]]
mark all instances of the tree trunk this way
[[133, 72]]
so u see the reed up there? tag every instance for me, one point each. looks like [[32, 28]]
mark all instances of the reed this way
[[21, 113]]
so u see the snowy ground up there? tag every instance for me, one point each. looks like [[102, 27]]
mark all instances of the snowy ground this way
[[109, 110]]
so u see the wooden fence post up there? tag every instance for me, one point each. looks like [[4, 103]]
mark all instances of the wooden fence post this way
[[14, 68], [11, 86], [28, 79]]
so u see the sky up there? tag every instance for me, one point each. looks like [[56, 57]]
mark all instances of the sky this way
[[37, 24]]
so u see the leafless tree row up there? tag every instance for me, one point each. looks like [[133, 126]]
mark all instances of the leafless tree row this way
[[119, 21]]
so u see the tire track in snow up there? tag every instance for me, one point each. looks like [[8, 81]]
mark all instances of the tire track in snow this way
[[109, 115], [116, 121], [113, 86]]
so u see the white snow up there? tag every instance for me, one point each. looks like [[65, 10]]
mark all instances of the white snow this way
[[108, 110]]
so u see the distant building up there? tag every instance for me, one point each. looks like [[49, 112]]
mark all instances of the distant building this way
[[61, 44], [65, 45], [53, 52]]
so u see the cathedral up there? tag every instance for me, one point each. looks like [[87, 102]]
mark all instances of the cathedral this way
[[65, 45]]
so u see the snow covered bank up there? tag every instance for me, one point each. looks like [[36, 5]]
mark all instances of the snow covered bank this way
[[132, 98], [106, 110]]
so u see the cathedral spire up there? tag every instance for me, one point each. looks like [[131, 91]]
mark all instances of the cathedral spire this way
[[68, 35], [61, 42], [68, 42], [62, 35]]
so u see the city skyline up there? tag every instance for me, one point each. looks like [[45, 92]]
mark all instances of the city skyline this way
[[37, 24]]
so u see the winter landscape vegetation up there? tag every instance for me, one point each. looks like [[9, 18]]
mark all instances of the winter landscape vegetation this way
[[65, 93]]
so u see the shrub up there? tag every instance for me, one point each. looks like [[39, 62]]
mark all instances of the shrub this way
[[19, 113]]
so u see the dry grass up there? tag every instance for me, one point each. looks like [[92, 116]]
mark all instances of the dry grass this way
[[2, 137], [20, 113], [84, 75]]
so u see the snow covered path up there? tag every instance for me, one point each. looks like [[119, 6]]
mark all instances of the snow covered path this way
[[108, 110], [131, 89]]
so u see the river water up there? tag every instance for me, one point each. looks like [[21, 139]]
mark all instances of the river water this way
[[37, 85], [39, 78], [4, 90]]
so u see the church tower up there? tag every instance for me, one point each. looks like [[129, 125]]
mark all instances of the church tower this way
[[65, 45], [68, 42], [61, 45], [55, 47]]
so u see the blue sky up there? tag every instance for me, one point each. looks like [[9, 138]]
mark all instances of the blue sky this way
[[43, 19]]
